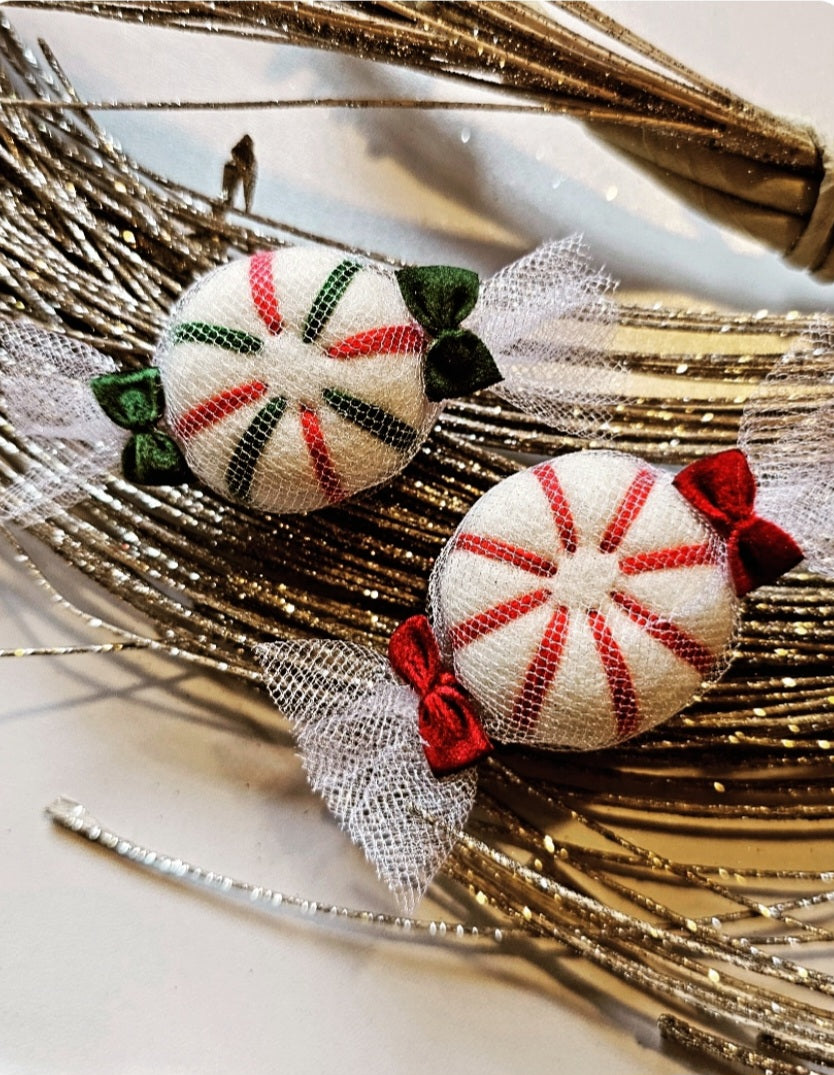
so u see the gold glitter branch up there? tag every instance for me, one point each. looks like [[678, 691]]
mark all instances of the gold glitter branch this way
[[757, 172], [87, 231]]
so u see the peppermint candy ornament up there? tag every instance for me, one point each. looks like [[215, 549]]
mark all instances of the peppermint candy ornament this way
[[295, 378], [583, 601], [578, 603]]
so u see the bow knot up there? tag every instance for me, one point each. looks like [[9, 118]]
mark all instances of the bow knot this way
[[453, 736], [134, 400], [722, 487], [440, 297]]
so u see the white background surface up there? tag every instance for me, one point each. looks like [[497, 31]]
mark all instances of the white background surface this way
[[105, 969]]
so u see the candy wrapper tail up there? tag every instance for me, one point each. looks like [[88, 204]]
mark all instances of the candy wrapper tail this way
[[549, 319], [47, 395], [357, 732], [787, 435]]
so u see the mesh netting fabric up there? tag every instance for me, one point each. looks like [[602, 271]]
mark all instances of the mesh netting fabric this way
[[45, 386], [548, 319], [787, 432], [356, 728], [583, 601], [294, 378]]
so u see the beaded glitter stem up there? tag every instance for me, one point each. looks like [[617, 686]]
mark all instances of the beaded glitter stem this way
[[663, 961], [548, 797], [71, 651], [351, 103], [75, 817]]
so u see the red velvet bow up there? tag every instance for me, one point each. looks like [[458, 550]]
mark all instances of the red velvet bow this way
[[722, 487], [452, 735]]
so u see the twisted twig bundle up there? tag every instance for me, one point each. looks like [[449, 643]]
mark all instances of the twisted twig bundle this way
[[760, 173]]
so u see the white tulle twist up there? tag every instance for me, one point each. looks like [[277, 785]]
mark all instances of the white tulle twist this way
[[45, 384], [356, 728], [787, 433], [547, 319]]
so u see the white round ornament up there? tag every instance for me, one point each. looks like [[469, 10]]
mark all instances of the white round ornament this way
[[583, 601], [294, 378]]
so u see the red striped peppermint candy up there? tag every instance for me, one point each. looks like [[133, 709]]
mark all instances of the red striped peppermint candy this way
[[583, 601], [294, 378]]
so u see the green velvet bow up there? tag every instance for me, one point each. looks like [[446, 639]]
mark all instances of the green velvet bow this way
[[135, 401], [440, 297]]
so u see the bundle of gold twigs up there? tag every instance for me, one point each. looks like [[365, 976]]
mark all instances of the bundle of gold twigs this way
[[586, 869], [758, 172]]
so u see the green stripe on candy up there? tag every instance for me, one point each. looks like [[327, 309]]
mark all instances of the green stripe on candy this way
[[230, 339], [241, 469], [372, 419], [328, 299]]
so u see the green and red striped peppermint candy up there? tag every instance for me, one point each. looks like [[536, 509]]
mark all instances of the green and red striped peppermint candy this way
[[295, 378]]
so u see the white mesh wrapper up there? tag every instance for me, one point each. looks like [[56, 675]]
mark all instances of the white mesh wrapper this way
[[583, 601], [547, 319], [294, 379], [357, 731], [787, 434], [47, 397]]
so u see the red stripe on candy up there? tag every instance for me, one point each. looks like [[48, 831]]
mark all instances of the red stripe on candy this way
[[388, 340], [555, 494], [262, 288], [497, 616], [683, 645], [620, 683], [627, 511], [217, 407], [542, 671], [660, 559], [325, 472], [503, 552]]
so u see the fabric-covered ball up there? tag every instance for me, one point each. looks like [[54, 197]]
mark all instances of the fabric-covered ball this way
[[583, 601], [294, 379]]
